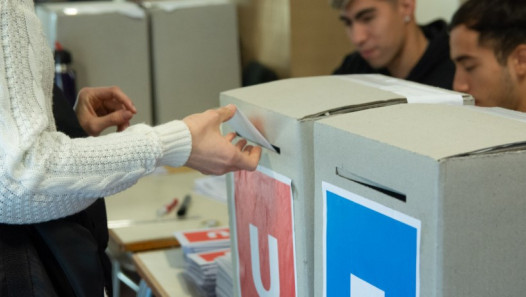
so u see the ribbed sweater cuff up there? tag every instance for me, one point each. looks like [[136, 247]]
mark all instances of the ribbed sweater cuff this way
[[176, 141]]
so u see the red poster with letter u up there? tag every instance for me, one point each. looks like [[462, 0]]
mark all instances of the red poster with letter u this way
[[265, 234]]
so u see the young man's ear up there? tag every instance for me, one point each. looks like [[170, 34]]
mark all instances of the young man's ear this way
[[518, 60], [407, 7]]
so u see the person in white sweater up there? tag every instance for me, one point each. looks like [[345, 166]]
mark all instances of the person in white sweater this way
[[49, 182], [46, 175]]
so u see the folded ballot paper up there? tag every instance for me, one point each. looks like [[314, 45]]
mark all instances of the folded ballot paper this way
[[244, 128], [224, 278], [203, 240], [201, 269]]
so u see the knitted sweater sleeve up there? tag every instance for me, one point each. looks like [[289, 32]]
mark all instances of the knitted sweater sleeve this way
[[44, 174]]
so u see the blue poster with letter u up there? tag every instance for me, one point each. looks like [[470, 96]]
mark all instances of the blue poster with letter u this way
[[369, 250]]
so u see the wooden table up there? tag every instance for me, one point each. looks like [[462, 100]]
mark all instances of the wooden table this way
[[162, 271], [134, 225], [133, 222]]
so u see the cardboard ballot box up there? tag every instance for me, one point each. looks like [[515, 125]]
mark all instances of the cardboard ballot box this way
[[195, 52], [420, 200], [273, 208], [108, 42]]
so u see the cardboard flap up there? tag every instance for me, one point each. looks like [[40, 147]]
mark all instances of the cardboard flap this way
[[437, 131]]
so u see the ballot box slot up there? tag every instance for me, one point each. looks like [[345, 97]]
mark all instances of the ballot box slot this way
[[276, 148], [341, 172], [505, 148], [353, 108]]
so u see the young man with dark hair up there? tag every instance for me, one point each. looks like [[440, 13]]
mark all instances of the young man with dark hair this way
[[389, 41], [488, 46]]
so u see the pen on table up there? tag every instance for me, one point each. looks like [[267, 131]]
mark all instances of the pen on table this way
[[167, 208], [181, 212]]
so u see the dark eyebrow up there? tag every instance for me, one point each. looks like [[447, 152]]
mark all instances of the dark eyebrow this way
[[357, 16], [462, 58], [344, 19], [363, 12]]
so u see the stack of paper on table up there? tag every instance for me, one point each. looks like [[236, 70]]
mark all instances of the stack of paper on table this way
[[225, 274], [211, 186], [203, 240], [201, 268]]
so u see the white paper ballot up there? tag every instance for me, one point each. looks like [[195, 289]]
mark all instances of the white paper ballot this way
[[413, 92], [244, 128]]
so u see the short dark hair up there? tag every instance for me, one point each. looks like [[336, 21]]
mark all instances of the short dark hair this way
[[342, 4], [500, 23]]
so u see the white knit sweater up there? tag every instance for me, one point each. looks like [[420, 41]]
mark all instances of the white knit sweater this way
[[44, 174]]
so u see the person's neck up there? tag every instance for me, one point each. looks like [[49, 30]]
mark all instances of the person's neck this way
[[521, 104], [410, 53], [516, 91]]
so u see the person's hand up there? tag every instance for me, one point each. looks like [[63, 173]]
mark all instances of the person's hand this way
[[213, 153], [103, 107]]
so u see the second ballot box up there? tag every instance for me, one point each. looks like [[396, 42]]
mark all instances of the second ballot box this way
[[420, 200], [195, 55], [272, 209], [109, 45]]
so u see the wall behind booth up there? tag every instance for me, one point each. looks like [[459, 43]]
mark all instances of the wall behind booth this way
[[292, 37], [429, 10], [297, 38]]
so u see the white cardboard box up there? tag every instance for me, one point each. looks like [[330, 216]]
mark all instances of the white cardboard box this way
[[195, 55], [109, 45], [453, 175], [285, 112]]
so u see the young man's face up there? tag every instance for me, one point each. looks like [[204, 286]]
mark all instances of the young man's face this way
[[376, 28], [478, 72]]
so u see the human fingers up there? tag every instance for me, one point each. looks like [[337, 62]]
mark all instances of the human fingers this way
[[123, 127], [241, 144], [226, 112], [113, 97], [120, 118], [113, 104], [230, 136], [122, 98], [249, 158]]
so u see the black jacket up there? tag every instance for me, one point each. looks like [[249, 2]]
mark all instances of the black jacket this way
[[435, 68]]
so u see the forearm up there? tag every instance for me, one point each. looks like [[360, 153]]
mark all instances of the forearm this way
[[58, 176], [45, 174]]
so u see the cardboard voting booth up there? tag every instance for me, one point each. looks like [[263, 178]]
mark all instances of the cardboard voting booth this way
[[420, 200], [195, 52], [272, 209], [109, 44]]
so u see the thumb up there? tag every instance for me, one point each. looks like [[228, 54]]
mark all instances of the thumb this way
[[226, 112], [120, 118]]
